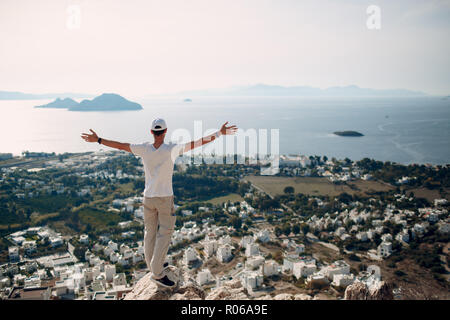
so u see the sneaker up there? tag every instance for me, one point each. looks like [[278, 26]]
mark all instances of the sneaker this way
[[165, 282]]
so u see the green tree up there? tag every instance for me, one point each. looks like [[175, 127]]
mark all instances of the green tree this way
[[289, 190], [236, 222]]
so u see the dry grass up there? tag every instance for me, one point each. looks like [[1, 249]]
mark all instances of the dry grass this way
[[306, 185], [371, 186], [233, 197], [428, 194]]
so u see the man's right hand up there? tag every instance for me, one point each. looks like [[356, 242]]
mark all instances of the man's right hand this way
[[90, 137]]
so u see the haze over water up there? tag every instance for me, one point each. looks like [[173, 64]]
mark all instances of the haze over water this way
[[404, 130]]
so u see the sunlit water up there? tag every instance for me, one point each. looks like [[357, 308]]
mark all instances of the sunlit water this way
[[402, 130]]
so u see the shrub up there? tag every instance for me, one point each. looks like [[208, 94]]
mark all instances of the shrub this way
[[399, 273]]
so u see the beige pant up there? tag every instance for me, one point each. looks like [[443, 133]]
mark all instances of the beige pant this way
[[159, 221]]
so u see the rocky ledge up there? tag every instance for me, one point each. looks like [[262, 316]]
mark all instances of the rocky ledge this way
[[360, 291], [186, 289]]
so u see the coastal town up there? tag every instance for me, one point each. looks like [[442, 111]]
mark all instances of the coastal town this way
[[72, 227]]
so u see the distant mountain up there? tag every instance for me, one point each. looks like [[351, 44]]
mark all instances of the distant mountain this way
[[60, 104], [15, 95], [104, 102], [304, 91]]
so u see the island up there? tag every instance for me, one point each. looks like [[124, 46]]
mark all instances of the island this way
[[59, 104], [104, 102], [348, 133]]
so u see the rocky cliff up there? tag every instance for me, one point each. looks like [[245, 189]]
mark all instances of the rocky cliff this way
[[360, 291], [187, 289]]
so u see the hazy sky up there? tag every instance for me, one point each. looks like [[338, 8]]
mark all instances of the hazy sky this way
[[144, 47]]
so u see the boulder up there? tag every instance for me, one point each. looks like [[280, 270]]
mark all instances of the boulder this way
[[283, 296], [359, 291], [302, 296]]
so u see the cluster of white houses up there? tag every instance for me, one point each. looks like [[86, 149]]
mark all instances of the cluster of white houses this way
[[367, 223]]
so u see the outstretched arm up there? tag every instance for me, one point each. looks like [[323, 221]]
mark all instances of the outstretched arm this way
[[224, 130], [93, 137]]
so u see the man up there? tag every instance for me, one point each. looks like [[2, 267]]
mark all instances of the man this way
[[159, 210]]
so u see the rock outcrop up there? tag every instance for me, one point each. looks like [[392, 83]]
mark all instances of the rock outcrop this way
[[185, 289], [146, 289], [360, 291]]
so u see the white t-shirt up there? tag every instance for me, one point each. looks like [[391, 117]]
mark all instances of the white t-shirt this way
[[158, 166]]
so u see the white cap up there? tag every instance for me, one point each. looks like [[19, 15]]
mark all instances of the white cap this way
[[159, 124]]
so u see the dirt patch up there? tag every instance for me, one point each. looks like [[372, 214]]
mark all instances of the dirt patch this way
[[371, 186], [428, 194], [306, 185]]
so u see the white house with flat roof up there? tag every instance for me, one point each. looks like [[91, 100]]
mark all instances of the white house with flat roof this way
[[254, 262], [343, 280], [252, 250], [210, 247], [84, 238], [13, 253], [337, 267], [302, 269], [251, 280], [384, 249], [224, 253], [270, 268], [204, 276], [190, 255]]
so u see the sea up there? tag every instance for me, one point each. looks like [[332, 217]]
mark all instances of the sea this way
[[402, 130]]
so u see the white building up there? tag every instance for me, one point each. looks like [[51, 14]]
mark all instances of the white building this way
[[112, 245], [110, 272], [252, 250], [251, 280], [186, 213], [225, 240], [210, 247], [270, 268], [246, 240], [362, 236], [190, 255], [120, 280], [387, 237], [385, 249], [204, 276], [301, 269], [254, 262], [224, 253], [288, 262], [402, 236], [56, 241], [124, 224], [263, 236], [343, 280], [338, 267], [84, 238], [13, 254]]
